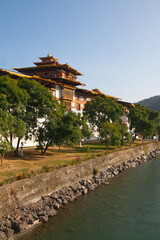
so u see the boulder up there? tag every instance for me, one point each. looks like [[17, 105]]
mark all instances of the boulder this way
[[52, 213], [8, 223], [90, 187], [31, 219], [41, 213], [2, 223], [16, 227], [78, 194], [23, 226], [54, 196], [43, 218], [56, 205], [64, 201], [2, 236], [9, 232], [69, 199], [59, 200], [34, 215], [85, 190], [105, 182]]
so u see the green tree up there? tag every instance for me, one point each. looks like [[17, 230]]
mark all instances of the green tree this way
[[13, 99], [101, 110], [4, 147], [85, 130], [72, 129], [47, 132], [40, 105], [11, 127], [144, 121], [110, 134], [104, 116], [28, 102], [115, 134], [126, 135], [64, 127]]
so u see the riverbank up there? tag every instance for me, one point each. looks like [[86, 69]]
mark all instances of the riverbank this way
[[81, 179]]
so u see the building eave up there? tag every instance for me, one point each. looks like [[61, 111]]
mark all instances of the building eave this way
[[127, 104], [85, 91], [61, 66], [19, 75]]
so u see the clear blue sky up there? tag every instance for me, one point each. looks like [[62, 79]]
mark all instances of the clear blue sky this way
[[114, 43]]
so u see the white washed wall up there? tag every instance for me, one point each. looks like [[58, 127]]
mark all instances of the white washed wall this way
[[58, 92]]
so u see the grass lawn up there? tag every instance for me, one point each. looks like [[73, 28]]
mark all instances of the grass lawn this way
[[33, 163]]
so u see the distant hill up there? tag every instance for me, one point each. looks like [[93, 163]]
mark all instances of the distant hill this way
[[152, 103]]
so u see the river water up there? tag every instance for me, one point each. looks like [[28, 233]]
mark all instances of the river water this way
[[127, 209]]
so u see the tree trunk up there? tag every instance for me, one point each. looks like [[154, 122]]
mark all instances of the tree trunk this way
[[1, 156], [45, 149], [11, 140], [16, 151]]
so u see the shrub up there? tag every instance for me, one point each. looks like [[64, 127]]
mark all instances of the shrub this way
[[88, 150], [24, 176], [78, 159], [99, 154], [65, 165], [95, 171], [145, 150], [47, 168], [20, 176], [33, 173]]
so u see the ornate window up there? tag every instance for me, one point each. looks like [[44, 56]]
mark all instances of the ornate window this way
[[78, 107]]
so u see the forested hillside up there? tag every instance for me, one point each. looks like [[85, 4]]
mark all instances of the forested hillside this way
[[152, 103]]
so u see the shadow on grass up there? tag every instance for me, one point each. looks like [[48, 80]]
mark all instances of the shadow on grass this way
[[28, 155]]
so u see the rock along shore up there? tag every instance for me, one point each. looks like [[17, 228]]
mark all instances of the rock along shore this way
[[25, 217]]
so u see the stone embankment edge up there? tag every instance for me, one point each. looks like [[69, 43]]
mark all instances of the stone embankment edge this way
[[27, 202]]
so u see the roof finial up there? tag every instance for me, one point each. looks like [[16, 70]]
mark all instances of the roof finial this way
[[48, 55]]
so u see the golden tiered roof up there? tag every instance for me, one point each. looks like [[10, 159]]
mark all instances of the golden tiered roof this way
[[19, 75], [95, 93], [48, 67]]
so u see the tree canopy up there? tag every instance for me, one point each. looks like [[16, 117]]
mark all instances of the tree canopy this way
[[100, 110], [144, 121], [64, 127], [23, 103], [104, 116]]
